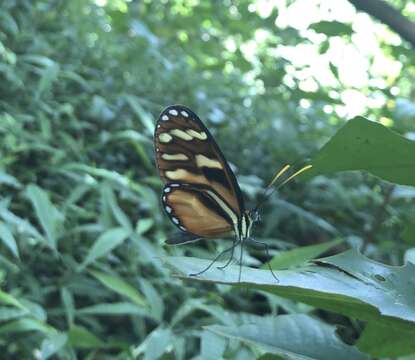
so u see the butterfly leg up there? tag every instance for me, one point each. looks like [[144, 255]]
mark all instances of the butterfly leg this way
[[215, 259], [234, 245], [240, 260], [267, 252]]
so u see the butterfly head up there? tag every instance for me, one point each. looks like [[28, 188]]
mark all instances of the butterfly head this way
[[249, 217], [254, 215]]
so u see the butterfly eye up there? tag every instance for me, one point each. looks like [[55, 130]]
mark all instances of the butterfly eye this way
[[255, 215]]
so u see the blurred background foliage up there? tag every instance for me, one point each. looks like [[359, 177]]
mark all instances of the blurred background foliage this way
[[81, 228]]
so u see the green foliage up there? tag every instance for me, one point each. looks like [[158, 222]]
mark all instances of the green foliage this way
[[81, 228], [366, 145], [292, 337]]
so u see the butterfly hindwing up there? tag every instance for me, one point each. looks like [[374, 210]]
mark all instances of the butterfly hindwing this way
[[186, 153], [198, 209]]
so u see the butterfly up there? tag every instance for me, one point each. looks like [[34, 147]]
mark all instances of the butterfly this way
[[201, 195]]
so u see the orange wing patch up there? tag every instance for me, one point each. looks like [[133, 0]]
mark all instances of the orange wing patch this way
[[193, 210]]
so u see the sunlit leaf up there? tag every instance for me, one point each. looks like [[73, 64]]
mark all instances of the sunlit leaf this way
[[365, 145]]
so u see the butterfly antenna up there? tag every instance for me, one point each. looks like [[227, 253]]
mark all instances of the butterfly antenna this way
[[276, 177], [240, 261], [305, 168]]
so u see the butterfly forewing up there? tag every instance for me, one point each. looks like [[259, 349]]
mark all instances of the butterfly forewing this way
[[205, 196]]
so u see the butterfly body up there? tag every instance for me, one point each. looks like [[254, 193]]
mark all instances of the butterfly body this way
[[201, 195]]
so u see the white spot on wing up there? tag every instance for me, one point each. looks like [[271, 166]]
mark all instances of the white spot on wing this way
[[164, 198], [167, 190], [184, 113], [168, 209], [164, 118], [204, 161], [181, 134], [182, 174], [165, 138], [182, 228], [198, 135], [174, 185], [173, 112], [175, 220], [177, 174], [178, 156]]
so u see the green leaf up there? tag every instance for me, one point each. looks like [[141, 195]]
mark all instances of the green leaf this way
[[49, 217], [9, 180], [154, 299], [408, 234], [292, 337], [52, 344], [300, 255], [80, 337], [410, 255], [105, 243], [365, 145], [11, 300], [154, 345], [8, 23], [23, 225], [110, 200], [348, 283], [332, 28], [383, 341], [68, 305], [119, 308], [9, 313], [120, 287], [143, 225], [8, 239], [145, 118], [27, 324], [212, 346]]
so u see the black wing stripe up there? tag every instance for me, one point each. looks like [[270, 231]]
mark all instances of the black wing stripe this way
[[209, 198]]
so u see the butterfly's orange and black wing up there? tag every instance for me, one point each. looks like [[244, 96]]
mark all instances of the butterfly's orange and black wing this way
[[201, 195]]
